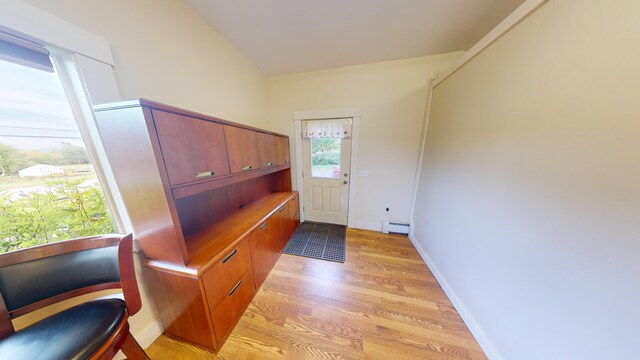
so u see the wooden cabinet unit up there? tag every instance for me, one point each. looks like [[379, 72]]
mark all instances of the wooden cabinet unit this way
[[211, 205]]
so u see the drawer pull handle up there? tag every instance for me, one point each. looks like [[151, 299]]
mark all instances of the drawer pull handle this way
[[264, 226], [248, 167], [281, 210], [270, 163], [204, 174], [229, 256], [285, 161], [235, 288]]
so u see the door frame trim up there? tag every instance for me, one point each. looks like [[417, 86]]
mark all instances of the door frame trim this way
[[355, 114]]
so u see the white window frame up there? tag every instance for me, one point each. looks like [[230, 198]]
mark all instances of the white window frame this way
[[84, 64], [81, 107]]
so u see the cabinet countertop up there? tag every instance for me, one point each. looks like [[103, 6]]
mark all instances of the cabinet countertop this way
[[209, 245]]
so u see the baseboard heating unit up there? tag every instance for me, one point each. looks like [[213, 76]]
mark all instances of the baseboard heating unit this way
[[395, 227]]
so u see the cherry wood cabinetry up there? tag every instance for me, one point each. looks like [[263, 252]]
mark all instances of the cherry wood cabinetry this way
[[282, 223], [272, 150], [263, 251], [282, 148], [211, 205], [242, 147], [268, 150], [221, 278], [294, 214], [228, 312], [192, 149]]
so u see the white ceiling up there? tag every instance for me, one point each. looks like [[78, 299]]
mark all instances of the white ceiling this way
[[287, 36]]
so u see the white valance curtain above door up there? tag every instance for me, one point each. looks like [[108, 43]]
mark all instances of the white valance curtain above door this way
[[334, 128]]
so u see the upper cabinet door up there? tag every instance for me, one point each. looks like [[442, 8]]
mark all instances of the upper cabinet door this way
[[192, 149], [282, 144], [267, 149], [242, 147]]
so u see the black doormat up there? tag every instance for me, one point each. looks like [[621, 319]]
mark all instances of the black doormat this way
[[318, 241]]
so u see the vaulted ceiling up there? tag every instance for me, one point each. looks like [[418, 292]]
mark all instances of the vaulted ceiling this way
[[287, 36]]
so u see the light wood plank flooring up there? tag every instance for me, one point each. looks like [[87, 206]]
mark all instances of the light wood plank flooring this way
[[382, 303]]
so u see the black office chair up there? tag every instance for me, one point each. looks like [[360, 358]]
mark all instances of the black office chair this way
[[33, 278]]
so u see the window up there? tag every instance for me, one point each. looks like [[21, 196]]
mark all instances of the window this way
[[325, 157], [49, 190]]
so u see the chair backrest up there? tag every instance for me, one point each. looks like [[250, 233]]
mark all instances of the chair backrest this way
[[40, 276]]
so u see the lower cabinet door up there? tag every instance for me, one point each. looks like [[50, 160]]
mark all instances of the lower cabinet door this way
[[263, 250], [282, 231], [293, 223], [294, 217], [229, 311]]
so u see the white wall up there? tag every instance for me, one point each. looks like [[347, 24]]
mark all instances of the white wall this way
[[528, 204], [391, 96], [165, 52]]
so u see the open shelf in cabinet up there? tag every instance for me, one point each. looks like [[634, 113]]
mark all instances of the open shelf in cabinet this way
[[214, 220]]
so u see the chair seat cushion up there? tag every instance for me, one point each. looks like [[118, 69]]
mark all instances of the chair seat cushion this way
[[75, 333]]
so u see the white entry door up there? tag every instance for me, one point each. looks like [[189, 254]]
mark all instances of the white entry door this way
[[326, 178]]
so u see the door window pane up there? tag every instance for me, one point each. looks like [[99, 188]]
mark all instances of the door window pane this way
[[49, 190], [325, 157]]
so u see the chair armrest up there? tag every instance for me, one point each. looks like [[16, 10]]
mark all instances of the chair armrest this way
[[128, 275]]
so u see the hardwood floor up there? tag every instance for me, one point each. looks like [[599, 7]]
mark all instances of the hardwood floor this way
[[382, 303]]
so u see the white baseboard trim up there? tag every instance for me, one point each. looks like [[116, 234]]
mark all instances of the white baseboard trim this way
[[470, 320], [366, 225], [150, 334], [145, 337]]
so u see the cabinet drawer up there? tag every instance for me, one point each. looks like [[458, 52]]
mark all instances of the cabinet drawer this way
[[228, 312], [294, 207], [224, 274], [294, 215]]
